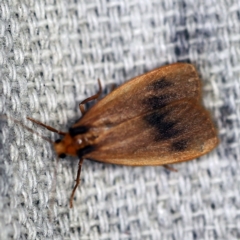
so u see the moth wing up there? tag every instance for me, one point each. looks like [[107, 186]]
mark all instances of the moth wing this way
[[144, 93], [178, 132]]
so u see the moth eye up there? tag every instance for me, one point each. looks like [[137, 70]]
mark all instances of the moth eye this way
[[62, 155], [58, 141]]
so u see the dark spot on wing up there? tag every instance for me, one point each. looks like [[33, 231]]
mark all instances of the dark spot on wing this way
[[73, 131], [84, 151], [180, 145], [160, 84], [156, 102], [165, 129]]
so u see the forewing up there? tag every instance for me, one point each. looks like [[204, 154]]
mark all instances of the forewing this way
[[145, 93], [178, 132]]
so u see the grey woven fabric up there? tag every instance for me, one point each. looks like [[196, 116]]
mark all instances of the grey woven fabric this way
[[51, 55]]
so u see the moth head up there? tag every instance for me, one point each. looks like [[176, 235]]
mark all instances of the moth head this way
[[65, 146], [59, 148]]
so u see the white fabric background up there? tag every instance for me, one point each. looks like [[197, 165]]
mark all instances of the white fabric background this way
[[51, 54]]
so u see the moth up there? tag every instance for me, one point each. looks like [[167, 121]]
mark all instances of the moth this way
[[153, 119]]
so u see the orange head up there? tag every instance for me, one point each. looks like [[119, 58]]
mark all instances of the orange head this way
[[65, 146]]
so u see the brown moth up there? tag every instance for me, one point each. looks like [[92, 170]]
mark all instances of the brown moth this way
[[154, 119]]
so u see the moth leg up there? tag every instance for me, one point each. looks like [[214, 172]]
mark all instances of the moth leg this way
[[77, 182], [46, 126], [170, 168], [96, 96]]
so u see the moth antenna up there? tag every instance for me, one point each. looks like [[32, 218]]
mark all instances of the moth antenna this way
[[28, 128], [77, 182], [47, 127], [95, 96]]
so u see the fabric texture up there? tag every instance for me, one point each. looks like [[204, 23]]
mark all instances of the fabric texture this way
[[51, 55]]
